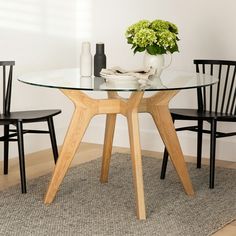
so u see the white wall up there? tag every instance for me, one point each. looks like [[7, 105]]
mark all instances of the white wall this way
[[42, 34], [206, 31], [38, 35]]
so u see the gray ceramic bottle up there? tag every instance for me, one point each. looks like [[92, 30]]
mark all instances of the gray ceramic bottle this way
[[99, 59]]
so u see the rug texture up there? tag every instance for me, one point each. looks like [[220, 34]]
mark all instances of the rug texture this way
[[84, 206]]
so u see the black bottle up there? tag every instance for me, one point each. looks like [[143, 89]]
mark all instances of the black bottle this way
[[99, 59]]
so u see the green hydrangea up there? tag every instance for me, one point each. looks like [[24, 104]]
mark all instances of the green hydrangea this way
[[156, 37], [166, 39], [144, 37], [159, 25], [133, 29]]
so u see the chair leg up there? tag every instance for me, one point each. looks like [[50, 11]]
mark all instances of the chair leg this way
[[164, 164], [53, 138], [6, 149], [199, 143], [19, 129], [212, 153]]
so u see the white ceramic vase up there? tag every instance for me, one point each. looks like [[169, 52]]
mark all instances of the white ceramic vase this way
[[157, 62]]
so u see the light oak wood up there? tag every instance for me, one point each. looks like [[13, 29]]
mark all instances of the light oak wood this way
[[129, 109], [86, 108], [158, 108], [135, 149], [107, 147], [108, 140], [41, 163], [75, 133]]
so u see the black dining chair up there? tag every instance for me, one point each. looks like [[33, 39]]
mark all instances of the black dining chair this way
[[216, 103], [13, 123]]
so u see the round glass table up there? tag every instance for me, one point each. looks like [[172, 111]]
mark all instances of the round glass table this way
[[74, 87]]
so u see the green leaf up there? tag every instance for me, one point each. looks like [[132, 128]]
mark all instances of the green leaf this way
[[174, 49], [154, 50], [139, 49], [129, 40]]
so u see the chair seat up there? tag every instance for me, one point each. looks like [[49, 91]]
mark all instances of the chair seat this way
[[17, 118], [194, 114], [220, 99], [28, 116]]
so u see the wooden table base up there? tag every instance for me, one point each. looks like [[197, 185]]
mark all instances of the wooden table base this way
[[86, 108]]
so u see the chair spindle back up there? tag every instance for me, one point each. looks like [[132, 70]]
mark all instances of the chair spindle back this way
[[7, 72], [219, 97]]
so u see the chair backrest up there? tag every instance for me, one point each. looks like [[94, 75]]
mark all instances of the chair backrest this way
[[7, 72], [220, 97]]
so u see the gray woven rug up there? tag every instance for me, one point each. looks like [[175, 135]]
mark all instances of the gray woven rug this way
[[83, 206]]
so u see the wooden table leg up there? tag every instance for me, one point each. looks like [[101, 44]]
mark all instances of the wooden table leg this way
[[158, 107], [107, 146], [136, 156], [86, 108], [108, 140], [75, 133]]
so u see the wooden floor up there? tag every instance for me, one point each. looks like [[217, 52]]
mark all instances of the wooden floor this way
[[41, 163]]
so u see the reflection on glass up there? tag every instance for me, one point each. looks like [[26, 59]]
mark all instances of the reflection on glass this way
[[86, 81], [70, 79]]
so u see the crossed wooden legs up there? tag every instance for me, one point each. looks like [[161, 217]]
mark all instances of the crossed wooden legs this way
[[86, 108], [129, 108], [157, 106]]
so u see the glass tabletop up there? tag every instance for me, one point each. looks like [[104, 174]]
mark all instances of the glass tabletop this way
[[71, 79]]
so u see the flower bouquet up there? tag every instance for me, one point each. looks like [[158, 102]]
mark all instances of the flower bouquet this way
[[154, 37]]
